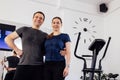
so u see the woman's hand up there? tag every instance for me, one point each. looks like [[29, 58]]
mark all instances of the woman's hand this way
[[10, 69], [66, 71]]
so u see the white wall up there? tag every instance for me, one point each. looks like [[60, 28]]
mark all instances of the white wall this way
[[20, 13], [69, 22], [111, 28]]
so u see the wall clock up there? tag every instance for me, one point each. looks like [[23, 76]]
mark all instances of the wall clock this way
[[86, 27]]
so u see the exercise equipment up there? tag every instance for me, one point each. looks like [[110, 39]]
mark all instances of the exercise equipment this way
[[95, 47], [114, 76]]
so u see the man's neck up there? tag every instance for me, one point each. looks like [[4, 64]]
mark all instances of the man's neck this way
[[35, 27]]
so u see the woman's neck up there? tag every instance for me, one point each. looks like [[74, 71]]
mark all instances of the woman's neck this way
[[56, 32]]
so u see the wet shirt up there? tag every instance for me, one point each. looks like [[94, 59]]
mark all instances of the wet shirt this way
[[32, 45]]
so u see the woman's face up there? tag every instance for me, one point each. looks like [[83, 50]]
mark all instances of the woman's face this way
[[56, 24]]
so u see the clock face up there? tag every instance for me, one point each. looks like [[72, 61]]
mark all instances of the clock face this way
[[86, 27]]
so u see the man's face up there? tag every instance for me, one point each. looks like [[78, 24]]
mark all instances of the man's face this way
[[38, 19]]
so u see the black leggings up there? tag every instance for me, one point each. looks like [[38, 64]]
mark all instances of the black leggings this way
[[54, 70], [29, 72], [9, 75]]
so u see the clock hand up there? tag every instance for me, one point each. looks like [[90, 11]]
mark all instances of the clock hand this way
[[90, 21], [75, 27], [84, 40], [94, 32], [80, 19], [76, 22], [93, 36]]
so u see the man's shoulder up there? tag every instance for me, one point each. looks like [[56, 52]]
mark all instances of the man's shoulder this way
[[44, 33], [23, 28]]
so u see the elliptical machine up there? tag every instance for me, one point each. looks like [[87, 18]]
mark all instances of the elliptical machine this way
[[95, 47]]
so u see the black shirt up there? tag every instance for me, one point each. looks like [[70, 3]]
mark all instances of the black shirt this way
[[12, 61], [32, 45]]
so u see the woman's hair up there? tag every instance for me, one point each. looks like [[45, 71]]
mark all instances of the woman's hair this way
[[57, 18], [14, 52], [51, 34], [39, 13]]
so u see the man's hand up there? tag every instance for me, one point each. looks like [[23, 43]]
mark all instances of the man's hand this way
[[19, 52], [63, 52]]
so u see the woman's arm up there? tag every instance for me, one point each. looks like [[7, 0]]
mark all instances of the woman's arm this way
[[67, 59], [67, 56], [3, 64], [11, 69]]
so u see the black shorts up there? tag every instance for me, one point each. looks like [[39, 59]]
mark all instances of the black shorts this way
[[28, 72]]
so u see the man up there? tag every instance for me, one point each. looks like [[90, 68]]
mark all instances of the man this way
[[31, 62], [12, 64]]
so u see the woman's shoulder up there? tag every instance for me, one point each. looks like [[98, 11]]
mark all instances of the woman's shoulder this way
[[64, 34], [65, 37]]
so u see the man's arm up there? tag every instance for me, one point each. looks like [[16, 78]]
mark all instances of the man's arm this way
[[10, 42]]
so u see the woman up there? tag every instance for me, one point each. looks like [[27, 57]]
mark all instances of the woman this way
[[56, 65], [12, 64]]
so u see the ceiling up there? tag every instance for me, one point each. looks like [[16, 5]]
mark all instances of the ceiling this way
[[91, 2], [94, 2]]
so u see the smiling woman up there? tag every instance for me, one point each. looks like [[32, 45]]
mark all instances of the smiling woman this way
[[56, 65]]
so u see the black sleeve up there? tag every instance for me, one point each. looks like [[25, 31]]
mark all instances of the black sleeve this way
[[7, 58], [20, 31]]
